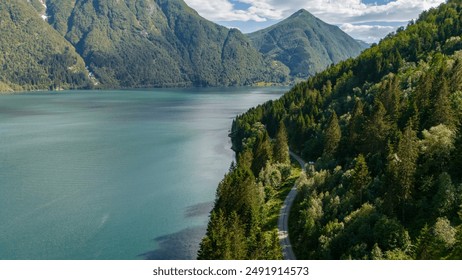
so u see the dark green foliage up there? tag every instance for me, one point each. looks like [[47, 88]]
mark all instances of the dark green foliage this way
[[384, 131], [361, 177], [239, 193], [456, 156], [401, 170], [281, 147], [219, 244], [59, 11], [158, 43], [332, 136], [33, 55], [456, 253], [305, 44], [250, 203], [262, 153], [38, 6], [375, 130], [437, 242], [143, 43]]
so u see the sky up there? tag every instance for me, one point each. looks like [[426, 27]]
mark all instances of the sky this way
[[366, 20]]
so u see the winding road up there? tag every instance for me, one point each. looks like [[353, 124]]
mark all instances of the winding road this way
[[283, 221]]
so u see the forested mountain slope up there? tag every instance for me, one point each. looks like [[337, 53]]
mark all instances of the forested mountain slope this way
[[33, 55], [158, 43], [384, 131], [305, 44]]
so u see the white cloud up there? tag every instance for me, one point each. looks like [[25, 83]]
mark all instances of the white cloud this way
[[223, 10], [354, 11], [367, 33], [339, 12]]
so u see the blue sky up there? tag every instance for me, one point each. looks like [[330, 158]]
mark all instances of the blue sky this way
[[367, 20]]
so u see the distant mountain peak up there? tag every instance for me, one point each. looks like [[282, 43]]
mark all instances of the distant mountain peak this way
[[158, 43], [305, 44], [301, 12]]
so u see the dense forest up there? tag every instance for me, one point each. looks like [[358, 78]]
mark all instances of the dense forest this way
[[33, 55], [383, 132], [305, 44], [158, 43], [154, 43], [243, 222]]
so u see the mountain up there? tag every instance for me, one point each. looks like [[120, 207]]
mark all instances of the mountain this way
[[384, 134], [305, 44], [363, 44], [35, 56], [157, 43]]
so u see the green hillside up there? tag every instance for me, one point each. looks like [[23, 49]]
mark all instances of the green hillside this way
[[305, 44], [384, 134], [158, 43], [35, 56]]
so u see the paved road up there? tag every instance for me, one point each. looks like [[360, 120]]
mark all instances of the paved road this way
[[283, 221]]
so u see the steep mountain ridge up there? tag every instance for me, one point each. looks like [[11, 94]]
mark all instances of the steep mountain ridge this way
[[157, 43], [33, 55], [305, 44], [160, 43]]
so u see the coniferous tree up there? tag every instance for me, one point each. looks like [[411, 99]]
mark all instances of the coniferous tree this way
[[390, 96], [400, 156], [263, 152], [281, 147], [361, 177], [442, 112], [376, 130], [356, 125], [215, 244], [332, 136], [238, 241], [401, 169]]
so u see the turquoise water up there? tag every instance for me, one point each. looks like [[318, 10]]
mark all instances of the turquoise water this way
[[114, 174]]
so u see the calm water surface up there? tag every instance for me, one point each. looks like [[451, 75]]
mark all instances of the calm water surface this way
[[114, 174]]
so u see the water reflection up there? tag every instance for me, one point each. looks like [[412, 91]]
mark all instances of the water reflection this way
[[177, 246]]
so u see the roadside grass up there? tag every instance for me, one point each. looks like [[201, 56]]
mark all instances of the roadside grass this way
[[273, 205]]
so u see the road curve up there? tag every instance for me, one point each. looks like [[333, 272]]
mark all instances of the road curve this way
[[283, 221]]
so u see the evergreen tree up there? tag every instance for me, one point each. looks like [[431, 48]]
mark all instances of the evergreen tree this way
[[401, 169], [215, 245], [361, 177], [400, 157], [356, 125], [442, 112], [281, 147], [423, 249], [263, 152], [376, 253], [390, 96], [332, 136], [376, 130], [236, 235]]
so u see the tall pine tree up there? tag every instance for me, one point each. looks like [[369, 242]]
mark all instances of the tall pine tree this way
[[281, 146], [332, 136]]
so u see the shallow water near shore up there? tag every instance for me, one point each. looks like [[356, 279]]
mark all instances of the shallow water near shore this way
[[114, 174]]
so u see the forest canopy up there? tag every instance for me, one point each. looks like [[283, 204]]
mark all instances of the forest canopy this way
[[384, 133]]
